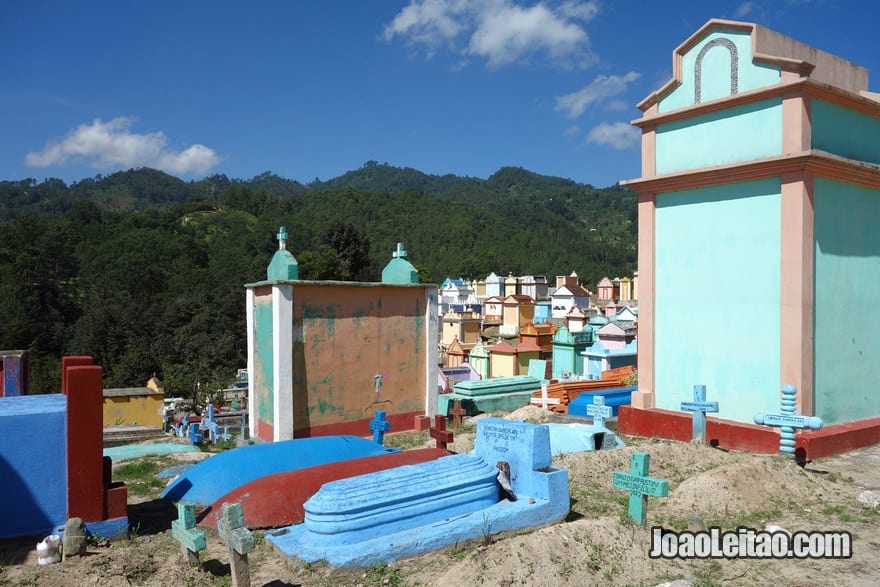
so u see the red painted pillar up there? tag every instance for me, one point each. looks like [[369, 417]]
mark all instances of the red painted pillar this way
[[72, 362], [85, 470]]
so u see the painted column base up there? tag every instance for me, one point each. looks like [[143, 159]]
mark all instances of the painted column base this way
[[643, 400], [731, 435]]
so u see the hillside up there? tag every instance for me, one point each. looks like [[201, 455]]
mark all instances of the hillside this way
[[145, 271]]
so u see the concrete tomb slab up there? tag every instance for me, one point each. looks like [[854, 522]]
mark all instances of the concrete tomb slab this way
[[277, 500], [569, 438], [400, 512], [216, 476]]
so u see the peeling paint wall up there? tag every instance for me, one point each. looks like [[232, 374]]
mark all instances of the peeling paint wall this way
[[357, 350], [262, 378]]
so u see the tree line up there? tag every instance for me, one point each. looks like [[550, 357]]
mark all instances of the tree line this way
[[144, 271]]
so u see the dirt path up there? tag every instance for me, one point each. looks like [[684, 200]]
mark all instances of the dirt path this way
[[596, 545]]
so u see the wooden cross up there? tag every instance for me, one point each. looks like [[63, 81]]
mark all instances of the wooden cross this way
[[240, 541], [440, 433], [599, 411], [788, 420], [699, 407], [457, 412], [379, 425], [184, 531], [639, 486], [543, 401]]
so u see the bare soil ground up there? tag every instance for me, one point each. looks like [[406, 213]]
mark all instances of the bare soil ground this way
[[596, 545]]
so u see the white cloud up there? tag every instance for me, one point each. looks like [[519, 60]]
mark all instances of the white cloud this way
[[108, 145], [617, 135], [572, 130], [509, 33], [500, 31], [600, 89], [429, 22], [743, 9], [585, 11], [617, 105]]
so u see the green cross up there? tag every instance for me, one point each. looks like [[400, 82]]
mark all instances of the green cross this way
[[639, 486]]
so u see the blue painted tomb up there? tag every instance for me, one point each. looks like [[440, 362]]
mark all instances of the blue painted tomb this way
[[616, 397], [400, 512], [216, 476]]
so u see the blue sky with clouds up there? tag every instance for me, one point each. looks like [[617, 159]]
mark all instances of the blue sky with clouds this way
[[312, 88]]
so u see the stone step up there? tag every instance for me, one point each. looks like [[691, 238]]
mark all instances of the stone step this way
[[119, 435]]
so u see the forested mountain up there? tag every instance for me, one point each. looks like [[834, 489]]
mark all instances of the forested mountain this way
[[145, 271]]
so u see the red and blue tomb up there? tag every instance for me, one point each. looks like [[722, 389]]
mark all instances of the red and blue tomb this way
[[51, 459], [324, 360], [387, 515]]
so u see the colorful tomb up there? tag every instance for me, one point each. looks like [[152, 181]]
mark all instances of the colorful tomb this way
[[323, 357], [759, 174], [51, 460], [386, 515]]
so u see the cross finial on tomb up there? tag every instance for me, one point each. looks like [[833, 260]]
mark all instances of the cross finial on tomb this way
[[282, 238], [400, 252]]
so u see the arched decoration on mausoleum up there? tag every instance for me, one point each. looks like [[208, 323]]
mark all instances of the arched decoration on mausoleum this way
[[734, 66]]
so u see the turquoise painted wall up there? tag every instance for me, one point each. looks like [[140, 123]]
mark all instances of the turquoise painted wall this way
[[717, 297], [845, 132], [847, 290], [264, 379], [722, 137], [715, 71]]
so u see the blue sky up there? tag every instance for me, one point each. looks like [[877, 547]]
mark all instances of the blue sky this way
[[312, 88]]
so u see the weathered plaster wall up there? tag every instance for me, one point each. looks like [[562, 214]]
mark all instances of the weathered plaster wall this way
[[717, 305], [845, 132], [128, 410], [847, 323], [347, 335], [262, 378], [719, 138]]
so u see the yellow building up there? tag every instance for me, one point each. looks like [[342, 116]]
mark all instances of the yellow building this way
[[135, 406]]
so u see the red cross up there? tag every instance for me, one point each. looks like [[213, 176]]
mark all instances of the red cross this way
[[440, 433]]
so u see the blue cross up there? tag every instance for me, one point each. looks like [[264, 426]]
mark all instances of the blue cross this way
[[787, 421], [698, 408], [379, 425], [599, 411]]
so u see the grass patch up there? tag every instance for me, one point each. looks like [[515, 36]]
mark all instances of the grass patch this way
[[407, 440], [731, 521], [382, 574], [140, 477]]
